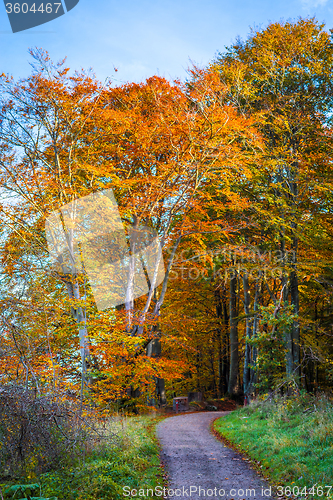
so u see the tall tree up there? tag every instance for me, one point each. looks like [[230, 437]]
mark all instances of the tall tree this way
[[282, 75], [159, 146]]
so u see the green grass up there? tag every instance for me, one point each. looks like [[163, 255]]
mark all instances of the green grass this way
[[289, 439], [133, 461]]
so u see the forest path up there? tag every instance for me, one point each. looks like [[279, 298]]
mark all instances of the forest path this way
[[197, 463]]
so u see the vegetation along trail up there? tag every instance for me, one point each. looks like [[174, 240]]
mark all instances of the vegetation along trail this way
[[200, 466]]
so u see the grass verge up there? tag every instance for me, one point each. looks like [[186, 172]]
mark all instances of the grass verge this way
[[290, 440], [132, 461]]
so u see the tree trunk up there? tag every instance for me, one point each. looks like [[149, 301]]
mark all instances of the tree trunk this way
[[233, 387], [294, 343], [80, 317], [226, 345], [247, 354], [154, 351], [294, 300], [288, 334], [222, 315]]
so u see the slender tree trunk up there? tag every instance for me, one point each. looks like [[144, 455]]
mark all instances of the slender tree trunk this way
[[80, 317], [294, 300], [222, 315], [288, 335], [220, 362], [154, 350], [316, 337], [294, 291], [248, 331], [233, 387], [226, 344], [213, 371], [70, 272], [253, 371]]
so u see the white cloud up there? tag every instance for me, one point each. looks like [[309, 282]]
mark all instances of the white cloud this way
[[314, 3]]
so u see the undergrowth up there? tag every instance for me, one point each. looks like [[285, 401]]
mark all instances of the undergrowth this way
[[132, 461]]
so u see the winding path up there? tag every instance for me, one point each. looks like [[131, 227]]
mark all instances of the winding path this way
[[199, 466]]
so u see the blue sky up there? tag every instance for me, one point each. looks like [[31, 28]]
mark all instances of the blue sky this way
[[146, 37]]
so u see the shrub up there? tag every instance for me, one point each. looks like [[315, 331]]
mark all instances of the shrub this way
[[37, 434]]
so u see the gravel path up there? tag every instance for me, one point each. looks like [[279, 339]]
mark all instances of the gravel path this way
[[200, 466]]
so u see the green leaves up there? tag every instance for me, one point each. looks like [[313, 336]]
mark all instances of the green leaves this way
[[26, 490]]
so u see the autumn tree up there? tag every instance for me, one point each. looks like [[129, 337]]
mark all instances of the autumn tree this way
[[159, 146], [282, 76]]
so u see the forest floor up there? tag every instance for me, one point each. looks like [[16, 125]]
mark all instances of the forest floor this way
[[200, 466]]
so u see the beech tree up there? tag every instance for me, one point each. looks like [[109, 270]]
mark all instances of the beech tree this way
[[282, 75], [158, 146]]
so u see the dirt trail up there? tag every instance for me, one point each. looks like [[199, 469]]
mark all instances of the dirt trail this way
[[200, 466]]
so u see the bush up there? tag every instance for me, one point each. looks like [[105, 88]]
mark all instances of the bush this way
[[37, 434]]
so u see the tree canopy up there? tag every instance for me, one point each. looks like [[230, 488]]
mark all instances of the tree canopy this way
[[231, 173]]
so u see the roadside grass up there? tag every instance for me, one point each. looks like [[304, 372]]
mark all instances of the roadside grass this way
[[290, 439], [131, 460]]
